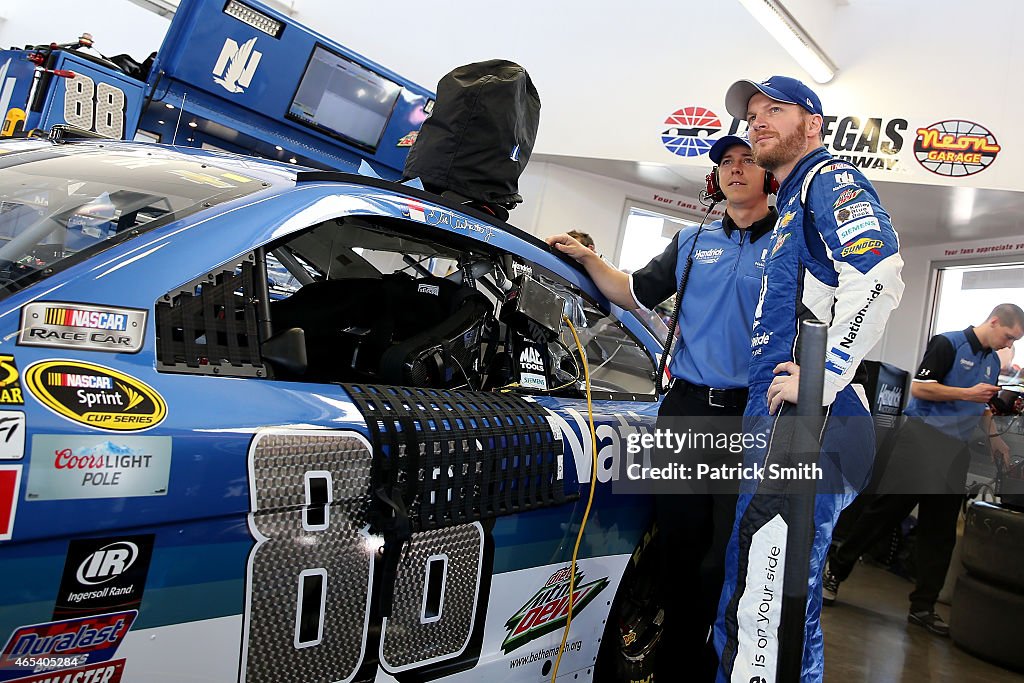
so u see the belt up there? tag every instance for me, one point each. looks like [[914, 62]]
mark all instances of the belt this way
[[715, 398]]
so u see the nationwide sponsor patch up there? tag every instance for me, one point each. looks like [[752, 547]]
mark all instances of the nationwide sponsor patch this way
[[786, 218], [837, 361], [847, 196], [82, 326], [956, 148], [548, 609], [861, 246], [858, 319], [103, 575], [10, 483], [82, 641], [851, 230], [852, 212], [95, 396], [779, 241], [10, 382], [66, 467], [12, 434], [103, 672]]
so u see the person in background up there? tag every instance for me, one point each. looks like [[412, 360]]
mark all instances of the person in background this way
[[723, 263], [958, 376], [834, 257], [583, 238]]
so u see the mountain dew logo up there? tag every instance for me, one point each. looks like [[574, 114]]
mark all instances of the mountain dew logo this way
[[548, 609]]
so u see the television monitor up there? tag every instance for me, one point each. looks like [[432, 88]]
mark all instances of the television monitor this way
[[344, 99]]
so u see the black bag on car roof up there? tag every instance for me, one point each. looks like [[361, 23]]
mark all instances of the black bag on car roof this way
[[480, 134]]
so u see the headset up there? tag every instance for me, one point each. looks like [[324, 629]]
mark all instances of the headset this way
[[714, 186]]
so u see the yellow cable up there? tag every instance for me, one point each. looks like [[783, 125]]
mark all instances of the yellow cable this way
[[590, 498]]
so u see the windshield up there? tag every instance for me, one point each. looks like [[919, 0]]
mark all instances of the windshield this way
[[61, 204]]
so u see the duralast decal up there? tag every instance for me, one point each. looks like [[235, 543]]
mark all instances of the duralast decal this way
[[82, 326], [60, 644], [548, 609], [95, 396], [955, 148]]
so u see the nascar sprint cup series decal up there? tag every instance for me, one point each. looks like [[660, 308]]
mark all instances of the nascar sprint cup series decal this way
[[95, 396], [82, 326]]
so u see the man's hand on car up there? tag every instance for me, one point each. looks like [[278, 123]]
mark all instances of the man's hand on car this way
[[570, 246]]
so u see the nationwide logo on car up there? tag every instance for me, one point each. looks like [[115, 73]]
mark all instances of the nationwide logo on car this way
[[95, 395], [548, 609], [956, 148], [88, 639], [82, 326], [690, 131], [863, 245]]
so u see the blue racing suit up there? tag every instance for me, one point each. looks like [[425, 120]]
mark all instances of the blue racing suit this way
[[834, 257]]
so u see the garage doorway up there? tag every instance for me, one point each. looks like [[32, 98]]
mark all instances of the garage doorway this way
[[964, 295]]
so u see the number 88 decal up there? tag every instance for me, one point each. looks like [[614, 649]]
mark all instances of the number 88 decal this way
[[309, 576], [98, 108]]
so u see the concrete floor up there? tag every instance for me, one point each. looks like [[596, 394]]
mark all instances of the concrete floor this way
[[868, 639]]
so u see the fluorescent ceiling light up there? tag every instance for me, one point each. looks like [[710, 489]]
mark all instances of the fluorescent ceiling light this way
[[791, 35]]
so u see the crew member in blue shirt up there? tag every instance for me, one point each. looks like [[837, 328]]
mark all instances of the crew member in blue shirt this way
[[958, 376], [709, 369]]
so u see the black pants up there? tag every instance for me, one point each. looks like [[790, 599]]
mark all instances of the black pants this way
[[693, 532], [916, 448]]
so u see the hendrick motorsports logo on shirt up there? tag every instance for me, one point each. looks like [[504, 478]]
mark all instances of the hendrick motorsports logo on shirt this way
[[548, 609], [82, 326], [95, 395], [69, 466], [708, 255]]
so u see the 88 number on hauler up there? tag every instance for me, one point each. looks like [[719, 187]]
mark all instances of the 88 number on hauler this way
[[95, 107]]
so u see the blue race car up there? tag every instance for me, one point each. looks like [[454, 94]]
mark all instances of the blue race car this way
[[262, 423]]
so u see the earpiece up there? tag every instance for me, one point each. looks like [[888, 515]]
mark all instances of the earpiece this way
[[714, 187]]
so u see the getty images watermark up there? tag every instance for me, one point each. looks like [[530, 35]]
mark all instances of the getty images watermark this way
[[668, 442]]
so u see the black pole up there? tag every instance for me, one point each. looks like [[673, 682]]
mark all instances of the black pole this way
[[800, 529]]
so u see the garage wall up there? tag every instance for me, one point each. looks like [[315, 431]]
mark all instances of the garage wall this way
[[906, 334], [117, 26], [559, 199]]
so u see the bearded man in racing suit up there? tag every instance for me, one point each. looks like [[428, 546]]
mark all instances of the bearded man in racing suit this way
[[834, 257]]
